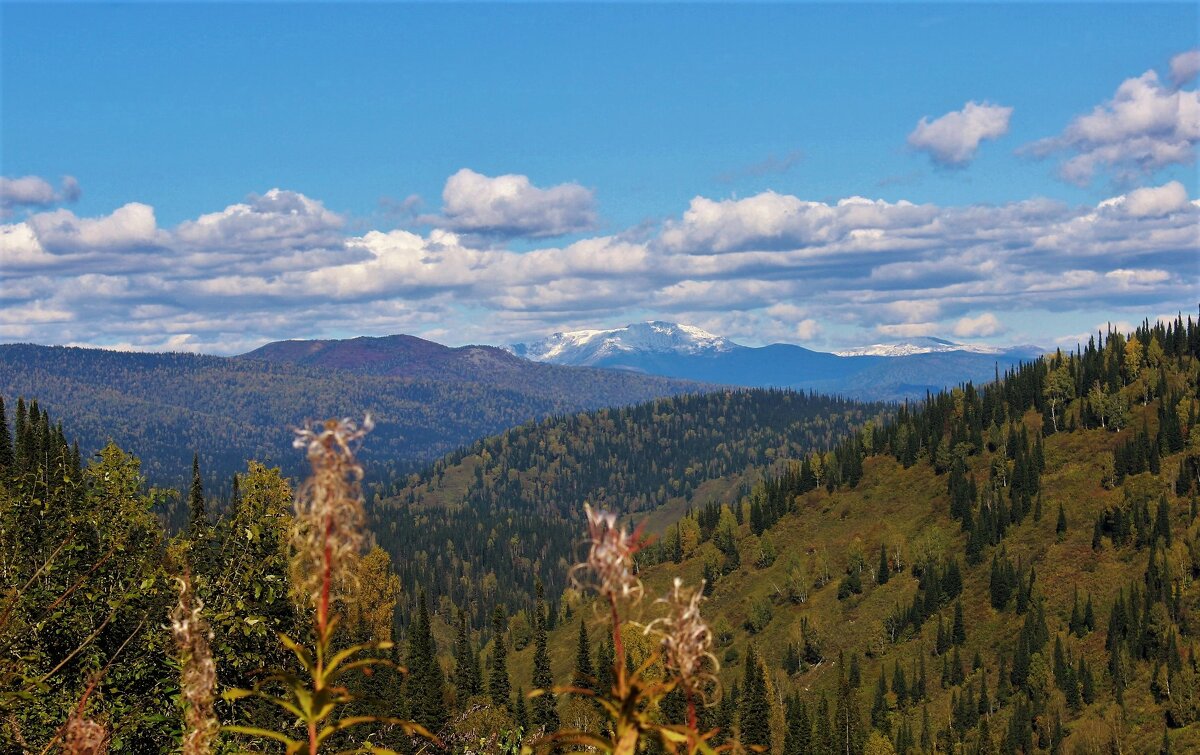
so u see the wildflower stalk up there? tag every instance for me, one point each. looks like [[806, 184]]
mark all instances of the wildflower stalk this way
[[684, 648], [327, 537]]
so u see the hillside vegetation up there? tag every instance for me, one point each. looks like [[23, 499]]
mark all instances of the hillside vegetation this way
[[481, 525], [168, 406], [981, 586]]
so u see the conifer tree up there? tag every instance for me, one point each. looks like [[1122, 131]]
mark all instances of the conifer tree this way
[[6, 444], [879, 708], [848, 732], [499, 686], [1060, 529], [585, 672], [521, 714], [545, 705], [960, 627], [424, 685], [466, 670], [882, 576], [197, 516], [754, 711]]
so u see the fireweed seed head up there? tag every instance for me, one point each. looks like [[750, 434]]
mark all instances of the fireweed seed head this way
[[83, 736], [328, 530], [686, 640], [199, 673], [609, 564]]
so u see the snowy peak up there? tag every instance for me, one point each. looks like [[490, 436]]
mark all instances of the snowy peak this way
[[591, 347], [921, 345]]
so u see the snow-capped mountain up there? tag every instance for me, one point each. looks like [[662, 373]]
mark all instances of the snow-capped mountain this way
[[883, 371], [594, 347], [921, 345]]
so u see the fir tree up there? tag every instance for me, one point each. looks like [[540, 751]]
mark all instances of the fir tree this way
[[1060, 529], [197, 516], [424, 685], [754, 711], [882, 576], [545, 705], [879, 708], [959, 636], [6, 444], [466, 679], [585, 672], [499, 686]]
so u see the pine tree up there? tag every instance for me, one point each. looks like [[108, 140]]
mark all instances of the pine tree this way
[[499, 686], [545, 705], [754, 712]]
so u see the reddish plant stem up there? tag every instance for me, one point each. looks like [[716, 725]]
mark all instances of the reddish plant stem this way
[[618, 643], [691, 709]]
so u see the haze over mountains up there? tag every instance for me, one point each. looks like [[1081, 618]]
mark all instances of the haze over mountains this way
[[887, 372]]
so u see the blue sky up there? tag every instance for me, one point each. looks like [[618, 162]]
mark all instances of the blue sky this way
[[612, 122]]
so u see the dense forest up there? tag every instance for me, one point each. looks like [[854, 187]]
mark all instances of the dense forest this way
[[1007, 568], [169, 406], [481, 525]]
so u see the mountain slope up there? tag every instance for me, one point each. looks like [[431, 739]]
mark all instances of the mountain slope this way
[[230, 410], [512, 505], [1028, 551], [884, 372]]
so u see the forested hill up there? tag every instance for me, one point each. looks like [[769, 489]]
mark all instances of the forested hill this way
[[481, 525], [1015, 571], [166, 406]]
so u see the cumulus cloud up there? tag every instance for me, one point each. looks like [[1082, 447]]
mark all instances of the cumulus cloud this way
[[129, 227], [1144, 127], [766, 267], [986, 324], [1184, 67], [953, 139], [1150, 201], [273, 221], [36, 191], [771, 221], [510, 206]]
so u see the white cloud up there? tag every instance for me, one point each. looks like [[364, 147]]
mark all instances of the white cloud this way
[[770, 267], [908, 329], [1150, 201], [511, 206], [771, 221], [36, 191], [275, 221], [1143, 128], [129, 227], [1184, 67], [953, 139], [986, 324]]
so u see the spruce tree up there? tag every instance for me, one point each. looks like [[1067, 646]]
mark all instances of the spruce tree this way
[[521, 711], [879, 708], [466, 679], [1060, 529], [424, 685], [585, 672], [960, 627], [197, 516], [545, 705], [499, 686], [883, 575], [754, 711], [6, 444]]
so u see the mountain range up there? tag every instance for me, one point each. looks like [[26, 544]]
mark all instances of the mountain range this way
[[888, 372]]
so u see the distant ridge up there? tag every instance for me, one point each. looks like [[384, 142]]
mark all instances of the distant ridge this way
[[890, 372]]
